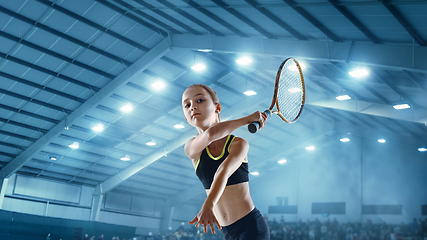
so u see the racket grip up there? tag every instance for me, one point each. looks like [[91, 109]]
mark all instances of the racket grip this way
[[253, 127]]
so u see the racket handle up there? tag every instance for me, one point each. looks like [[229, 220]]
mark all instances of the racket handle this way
[[253, 127]]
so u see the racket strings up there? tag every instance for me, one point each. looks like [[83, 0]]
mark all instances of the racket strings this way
[[290, 91]]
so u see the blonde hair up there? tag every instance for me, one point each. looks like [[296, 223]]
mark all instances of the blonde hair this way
[[211, 92]]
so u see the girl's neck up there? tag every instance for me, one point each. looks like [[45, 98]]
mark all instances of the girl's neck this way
[[201, 130], [217, 144]]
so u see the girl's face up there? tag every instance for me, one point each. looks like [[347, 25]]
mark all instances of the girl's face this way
[[199, 109]]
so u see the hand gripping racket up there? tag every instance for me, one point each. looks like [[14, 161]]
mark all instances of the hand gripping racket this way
[[289, 93]]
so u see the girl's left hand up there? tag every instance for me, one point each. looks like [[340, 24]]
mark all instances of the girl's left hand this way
[[206, 217]]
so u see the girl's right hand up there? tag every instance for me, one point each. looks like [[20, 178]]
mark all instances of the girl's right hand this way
[[206, 217], [258, 116]]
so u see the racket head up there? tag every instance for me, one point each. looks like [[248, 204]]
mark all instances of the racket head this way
[[289, 91]]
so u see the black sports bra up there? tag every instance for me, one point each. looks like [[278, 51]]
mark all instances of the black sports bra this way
[[207, 165]]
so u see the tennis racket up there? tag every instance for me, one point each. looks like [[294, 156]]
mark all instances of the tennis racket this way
[[289, 94]]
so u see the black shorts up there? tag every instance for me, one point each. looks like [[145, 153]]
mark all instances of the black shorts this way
[[250, 227]]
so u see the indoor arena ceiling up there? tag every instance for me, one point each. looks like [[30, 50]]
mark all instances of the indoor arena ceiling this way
[[67, 66]]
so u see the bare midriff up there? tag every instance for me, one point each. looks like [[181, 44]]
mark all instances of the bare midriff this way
[[234, 204]]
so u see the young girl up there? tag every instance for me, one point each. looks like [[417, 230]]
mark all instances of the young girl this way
[[220, 161]]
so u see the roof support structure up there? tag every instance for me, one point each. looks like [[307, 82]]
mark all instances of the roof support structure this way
[[367, 87], [403, 22], [117, 179], [391, 136], [63, 35], [47, 71], [55, 54], [355, 21], [133, 17], [275, 19], [35, 101], [27, 113], [96, 206], [420, 83], [402, 94], [92, 24], [369, 108], [215, 18], [244, 19], [3, 185], [128, 75], [145, 16], [312, 20], [190, 17], [365, 106], [398, 57], [167, 16], [41, 87]]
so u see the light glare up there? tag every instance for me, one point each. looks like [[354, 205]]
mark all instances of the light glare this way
[[244, 60], [401, 106], [98, 128], [127, 108], [254, 173], [422, 149], [159, 85], [281, 161], [151, 143], [198, 67], [343, 97], [179, 125], [125, 158], [359, 73], [310, 148], [75, 145], [345, 139], [381, 140], [249, 93]]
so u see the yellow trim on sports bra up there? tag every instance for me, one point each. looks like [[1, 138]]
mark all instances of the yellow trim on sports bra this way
[[245, 160], [228, 149], [197, 164], [223, 149]]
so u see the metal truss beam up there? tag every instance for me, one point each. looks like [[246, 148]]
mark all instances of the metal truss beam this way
[[312, 20], [275, 19], [355, 21], [400, 57], [130, 74], [392, 9], [244, 19], [215, 18]]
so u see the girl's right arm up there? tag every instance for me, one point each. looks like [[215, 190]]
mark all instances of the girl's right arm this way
[[195, 146]]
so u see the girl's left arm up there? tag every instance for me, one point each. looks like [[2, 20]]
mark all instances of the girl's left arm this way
[[238, 151]]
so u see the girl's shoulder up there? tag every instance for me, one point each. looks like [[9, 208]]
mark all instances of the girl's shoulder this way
[[239, 140], [188, 145], [239, 143]]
